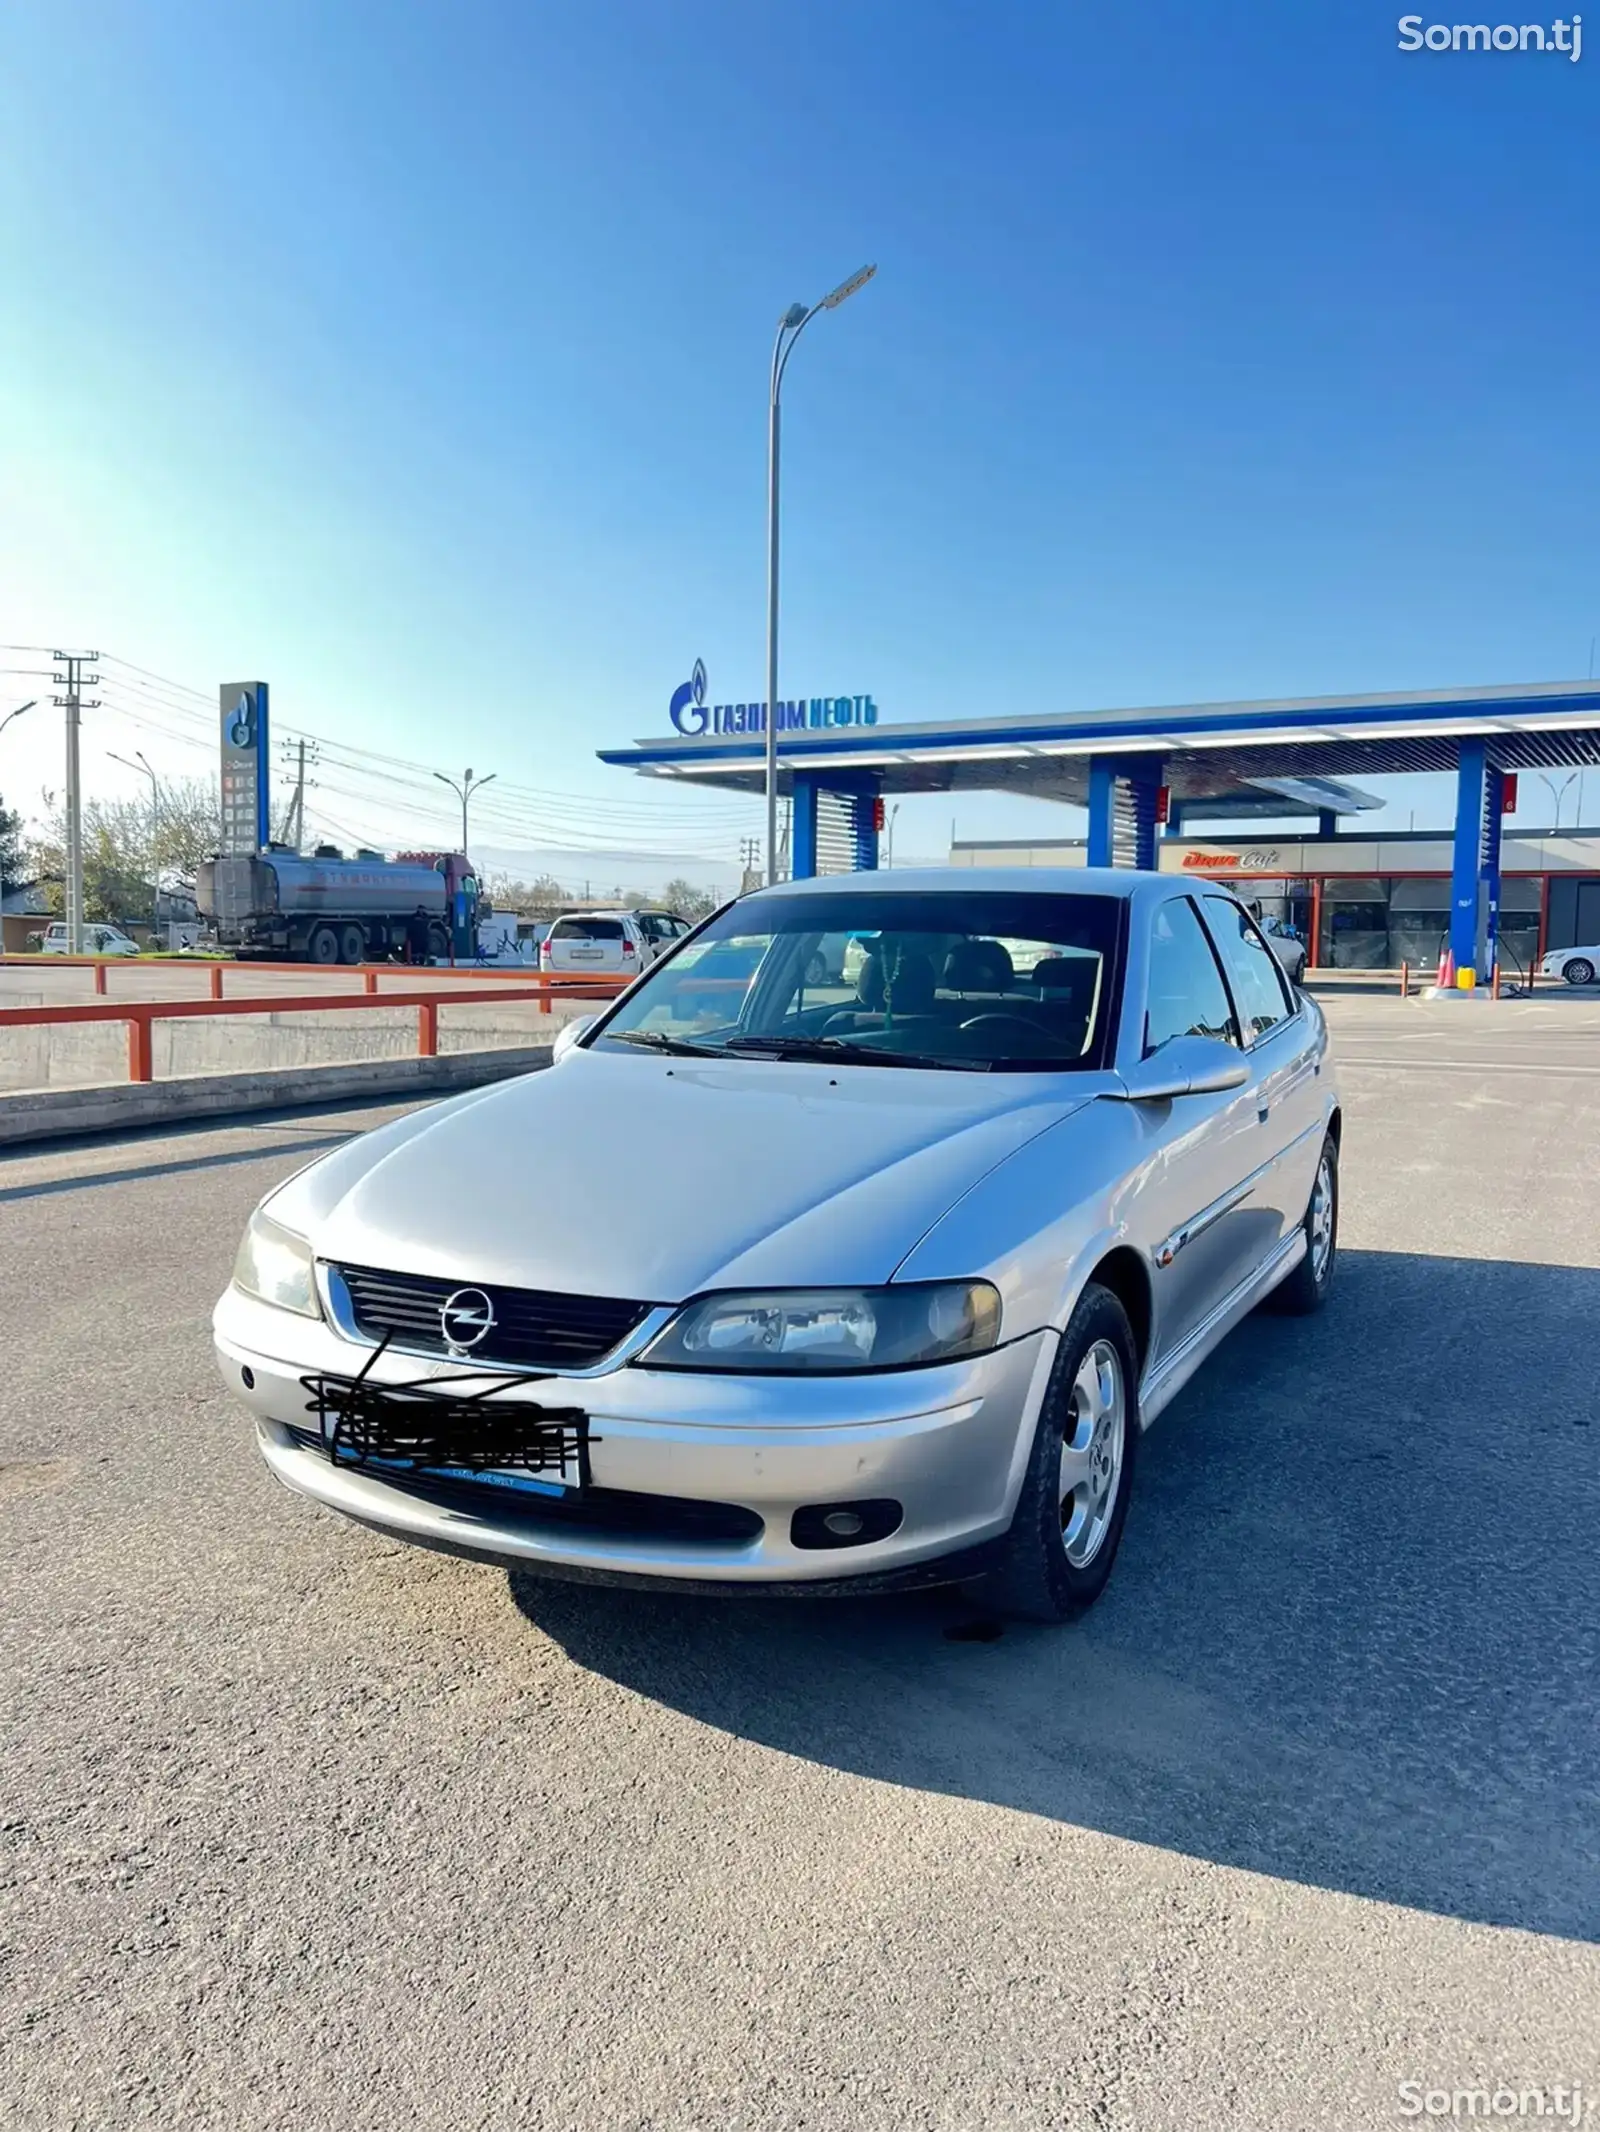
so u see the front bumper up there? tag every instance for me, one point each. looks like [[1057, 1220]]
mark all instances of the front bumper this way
[[949, 1444]]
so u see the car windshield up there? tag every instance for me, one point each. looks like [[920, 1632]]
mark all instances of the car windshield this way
[[953, 978]]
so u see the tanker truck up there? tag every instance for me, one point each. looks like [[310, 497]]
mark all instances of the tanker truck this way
[[329, 909]]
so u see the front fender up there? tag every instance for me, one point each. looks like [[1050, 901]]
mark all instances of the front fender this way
[[1040, 1222]]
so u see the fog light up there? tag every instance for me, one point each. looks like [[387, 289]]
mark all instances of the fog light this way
[[845, 1524]]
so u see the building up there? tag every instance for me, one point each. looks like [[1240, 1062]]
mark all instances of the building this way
[[24, 910], [1370, 901]]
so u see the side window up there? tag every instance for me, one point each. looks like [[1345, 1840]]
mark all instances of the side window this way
[[1187, 996], [1256, 974]]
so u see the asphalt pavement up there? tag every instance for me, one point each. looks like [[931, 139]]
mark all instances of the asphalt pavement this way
[[306, 1829]]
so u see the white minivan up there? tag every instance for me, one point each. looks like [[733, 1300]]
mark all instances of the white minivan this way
[[602, 943]]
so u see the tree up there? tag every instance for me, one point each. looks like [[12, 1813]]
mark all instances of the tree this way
[[189, 827], [11, 870], [540, 898], [117, 860], [690, 902]]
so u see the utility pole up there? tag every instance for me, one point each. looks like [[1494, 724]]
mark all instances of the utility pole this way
[[74, 681], [294, 820]]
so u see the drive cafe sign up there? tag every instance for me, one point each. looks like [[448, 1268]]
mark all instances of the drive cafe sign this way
[[1268, 860]]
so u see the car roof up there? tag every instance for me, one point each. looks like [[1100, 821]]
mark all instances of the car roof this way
[[1124, 882]]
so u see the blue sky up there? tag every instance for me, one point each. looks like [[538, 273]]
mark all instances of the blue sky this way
[[414, 357]]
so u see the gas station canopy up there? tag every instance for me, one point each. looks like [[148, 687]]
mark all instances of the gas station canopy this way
[[1207, 750], [1281, 757]]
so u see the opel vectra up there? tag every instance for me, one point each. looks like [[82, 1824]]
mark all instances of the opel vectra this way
[[811, 1272]]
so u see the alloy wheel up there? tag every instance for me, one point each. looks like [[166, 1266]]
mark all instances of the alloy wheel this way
[[1093, 1443], [1322, 1220]]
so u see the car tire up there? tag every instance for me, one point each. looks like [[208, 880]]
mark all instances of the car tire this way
[[1306, 1289], [438, 943], [1579, 971], [352, 944], [323, 946], [1074, 1501]]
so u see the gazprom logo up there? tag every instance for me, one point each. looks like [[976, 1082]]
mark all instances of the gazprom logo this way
[[241, 725], [687, 709], [692, 715]]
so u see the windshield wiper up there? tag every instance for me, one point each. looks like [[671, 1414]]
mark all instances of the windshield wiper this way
[[658, 1040], [841, 1051]]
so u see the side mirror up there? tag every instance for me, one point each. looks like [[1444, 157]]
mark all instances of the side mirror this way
[[568, 1034], [1188, 1066]]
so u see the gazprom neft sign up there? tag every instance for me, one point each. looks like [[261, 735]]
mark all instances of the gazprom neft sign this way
[[693, 715]]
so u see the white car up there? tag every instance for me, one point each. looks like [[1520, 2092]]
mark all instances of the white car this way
[[598, 943], [1577, 965], [97, 940]]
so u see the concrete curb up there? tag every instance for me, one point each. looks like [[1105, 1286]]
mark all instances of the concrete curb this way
[[54, 1113]]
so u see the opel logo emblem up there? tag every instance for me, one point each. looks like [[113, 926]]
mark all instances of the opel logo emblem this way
[[466, 1319]]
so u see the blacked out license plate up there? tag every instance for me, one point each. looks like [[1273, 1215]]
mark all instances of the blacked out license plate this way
[[430, 1431]]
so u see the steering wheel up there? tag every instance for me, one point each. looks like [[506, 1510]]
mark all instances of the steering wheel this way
[[1003, 1021]]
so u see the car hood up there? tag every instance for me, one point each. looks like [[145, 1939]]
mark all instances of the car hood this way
[[653, 1179]]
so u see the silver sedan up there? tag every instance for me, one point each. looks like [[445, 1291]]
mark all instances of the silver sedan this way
[[812, 1274]]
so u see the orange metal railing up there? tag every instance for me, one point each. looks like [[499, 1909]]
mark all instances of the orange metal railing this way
[[140, 1014]]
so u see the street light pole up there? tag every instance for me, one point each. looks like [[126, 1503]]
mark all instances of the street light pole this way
[[790, 327], [17, 713], [155, 831], [1557, 792], [464, 790]]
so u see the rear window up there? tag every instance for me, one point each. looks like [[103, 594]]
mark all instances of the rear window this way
[[586, 929]]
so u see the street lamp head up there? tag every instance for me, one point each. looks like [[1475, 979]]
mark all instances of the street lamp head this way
[[848, 288], [796, 315]]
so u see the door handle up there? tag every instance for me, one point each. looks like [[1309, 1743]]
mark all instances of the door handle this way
[[1263, 1112]]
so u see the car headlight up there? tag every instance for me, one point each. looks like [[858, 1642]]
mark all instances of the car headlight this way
[[275, 1265], [829, 1330]]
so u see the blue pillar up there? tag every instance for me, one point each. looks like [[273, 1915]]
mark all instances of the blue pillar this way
[[1113, 780], [1489, 873], [1327, 824], [1174, 826], [1102, 807], [866, 813], [1145, 791], [803, 834], [1466, 862]]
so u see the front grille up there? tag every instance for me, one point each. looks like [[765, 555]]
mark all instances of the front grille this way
[[533, 1328]]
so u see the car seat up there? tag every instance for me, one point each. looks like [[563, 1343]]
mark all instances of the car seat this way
[[978, 966], [908, 994]]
